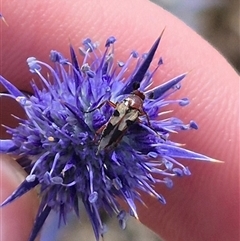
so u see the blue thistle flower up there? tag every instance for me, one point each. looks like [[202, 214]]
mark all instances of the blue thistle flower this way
[[57, 143]]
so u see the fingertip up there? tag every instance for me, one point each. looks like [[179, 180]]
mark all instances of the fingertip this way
[[207, 85], [16, 219]]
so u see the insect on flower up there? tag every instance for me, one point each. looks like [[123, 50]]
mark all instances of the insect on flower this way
[[128, 110], [79, 100], [126, 113]]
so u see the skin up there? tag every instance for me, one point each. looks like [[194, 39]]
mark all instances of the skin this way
[[204, 206]]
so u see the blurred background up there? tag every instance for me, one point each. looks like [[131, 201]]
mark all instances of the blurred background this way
[[218, 22], [76, 230]]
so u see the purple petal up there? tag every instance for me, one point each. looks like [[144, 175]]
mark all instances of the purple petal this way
[[93, 219], [10, 87], [175, 151], [139, 75], [75, 65], [74, 58], [186, 171], [62, 215], [3, 19], [24, 187], [160, 61], [161, 89], [7, 146], [77, 114], [39, 223], [75, 204], [161, 199]]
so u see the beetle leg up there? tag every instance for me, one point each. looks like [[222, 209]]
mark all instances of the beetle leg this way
[[147, 117], [100, 130], [143, 113], [103, 103]]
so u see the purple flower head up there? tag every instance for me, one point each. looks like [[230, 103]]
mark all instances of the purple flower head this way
[[82, 140]]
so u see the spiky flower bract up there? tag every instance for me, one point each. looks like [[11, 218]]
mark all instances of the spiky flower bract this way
[[3, 19], [57, 142]]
